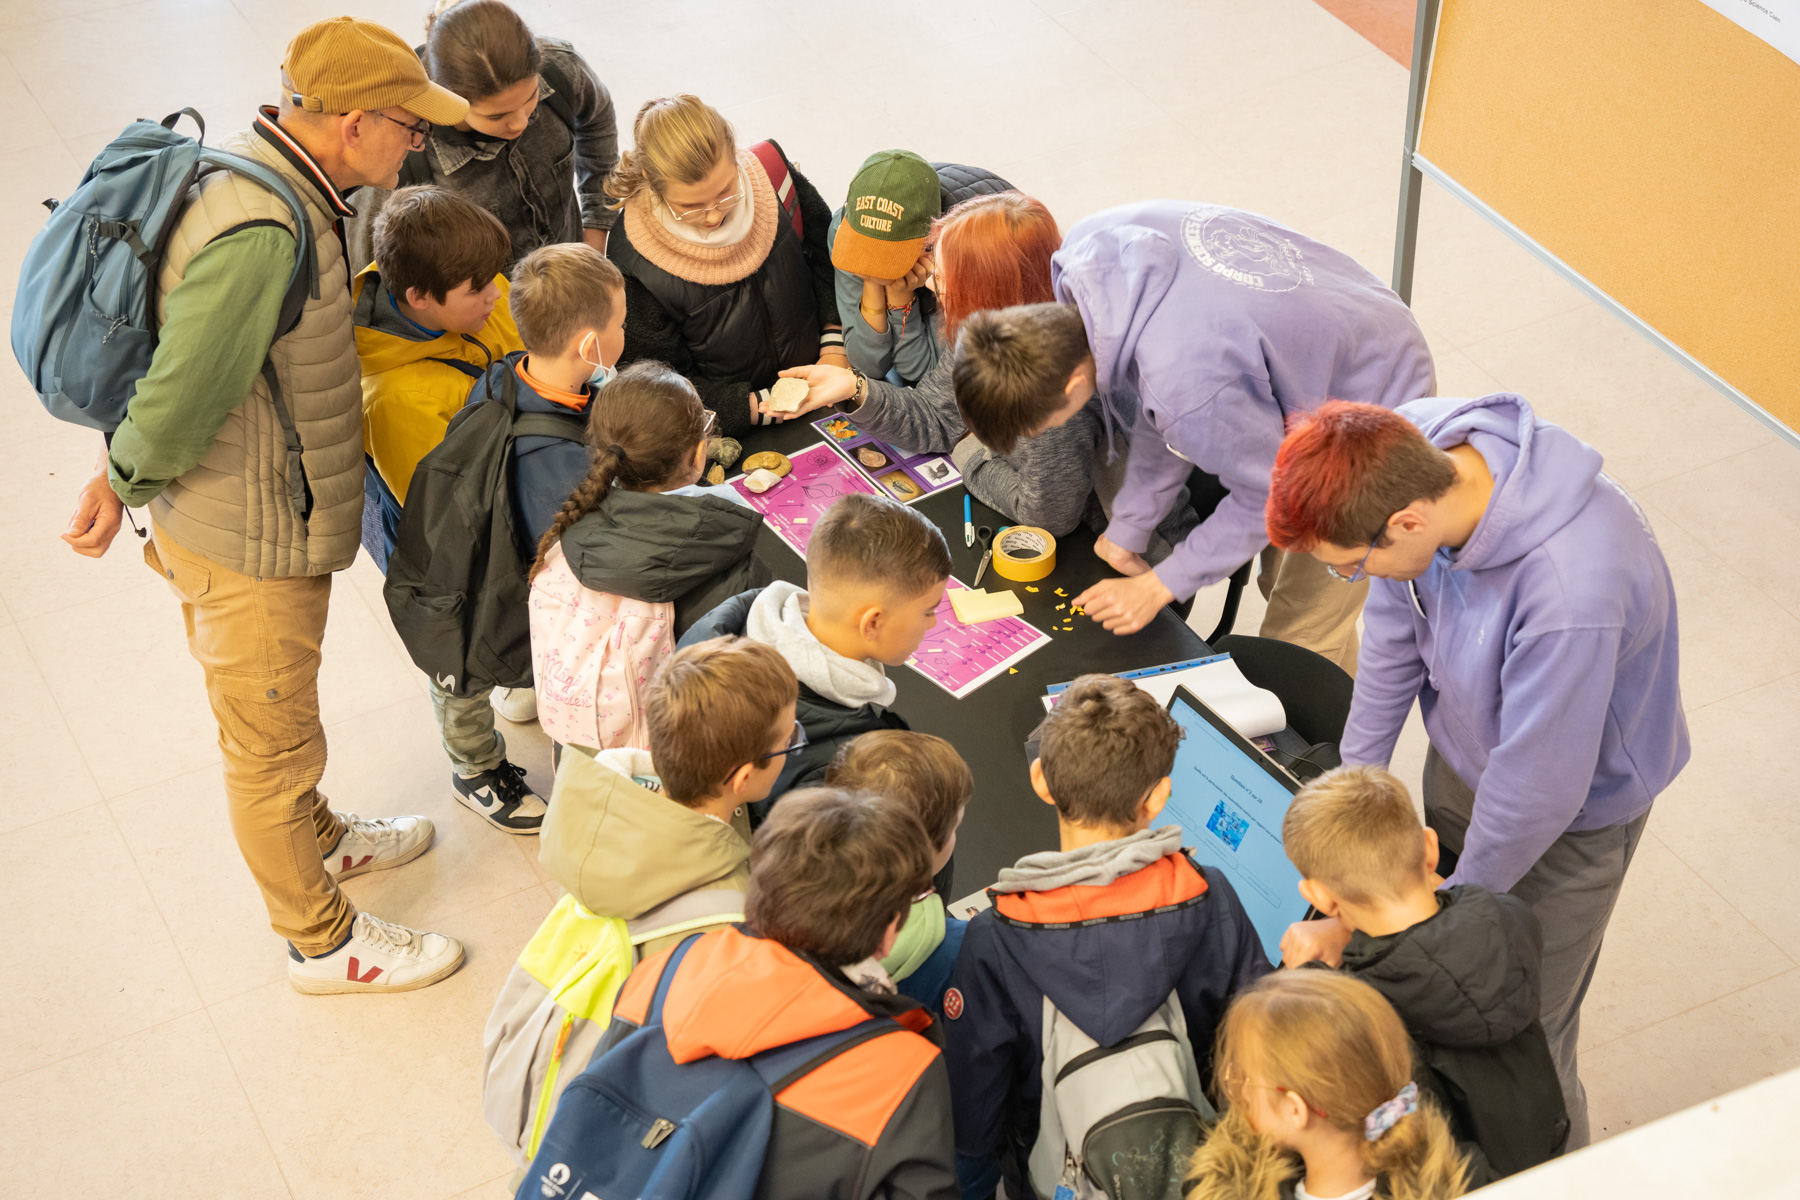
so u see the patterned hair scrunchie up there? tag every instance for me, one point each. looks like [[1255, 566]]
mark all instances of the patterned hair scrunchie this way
[[1387, 1115], [617, 451]]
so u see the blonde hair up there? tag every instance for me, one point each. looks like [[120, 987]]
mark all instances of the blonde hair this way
[[1335, 1042], [1355, 831], [560, 288], [675, 139]]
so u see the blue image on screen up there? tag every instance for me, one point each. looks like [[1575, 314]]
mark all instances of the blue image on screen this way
[[1230, 809], [1227, 824]]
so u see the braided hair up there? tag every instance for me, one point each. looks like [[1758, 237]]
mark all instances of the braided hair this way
[[642, 430]]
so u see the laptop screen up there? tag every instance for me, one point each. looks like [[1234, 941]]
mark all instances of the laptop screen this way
[[1229, 800]]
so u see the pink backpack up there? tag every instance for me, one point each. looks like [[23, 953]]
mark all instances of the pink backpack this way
[[592, 654]]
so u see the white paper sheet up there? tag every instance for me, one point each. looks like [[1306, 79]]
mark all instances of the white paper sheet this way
[[1776, 22], [1254, 712]]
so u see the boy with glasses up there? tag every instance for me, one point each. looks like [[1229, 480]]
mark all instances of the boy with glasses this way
[[635, 833], [1520, 596]]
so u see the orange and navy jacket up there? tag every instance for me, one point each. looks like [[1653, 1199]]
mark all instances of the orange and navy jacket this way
[[873, 1121], [1107, 957]]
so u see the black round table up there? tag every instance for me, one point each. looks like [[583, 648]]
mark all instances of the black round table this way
[[989, 726]]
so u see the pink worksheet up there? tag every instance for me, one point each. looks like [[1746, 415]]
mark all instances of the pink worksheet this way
[[793, 506], [960, 658]]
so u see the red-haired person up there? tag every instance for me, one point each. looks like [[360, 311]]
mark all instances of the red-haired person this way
[[1202, 329], [991, 250], [1519, 595]]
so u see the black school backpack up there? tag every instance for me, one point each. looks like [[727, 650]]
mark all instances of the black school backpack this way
[[456, 584]]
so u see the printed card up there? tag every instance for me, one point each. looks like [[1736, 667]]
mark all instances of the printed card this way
[[904, 476]]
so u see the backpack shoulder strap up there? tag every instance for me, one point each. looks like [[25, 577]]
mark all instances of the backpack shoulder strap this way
[[670, 965], [570, 428], [690, 911], [561, 99], [303, 280], [467, 368], [786, 1065], [775, 164]]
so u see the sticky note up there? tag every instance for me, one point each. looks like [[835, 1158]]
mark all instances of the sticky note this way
[[975, 605]]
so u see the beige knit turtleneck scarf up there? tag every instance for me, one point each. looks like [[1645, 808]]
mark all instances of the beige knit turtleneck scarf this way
[[700, 263]]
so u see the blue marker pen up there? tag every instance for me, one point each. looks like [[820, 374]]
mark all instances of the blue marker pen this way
[[968, 522]]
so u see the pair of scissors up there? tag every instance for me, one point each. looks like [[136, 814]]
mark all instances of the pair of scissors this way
[[986, 537]]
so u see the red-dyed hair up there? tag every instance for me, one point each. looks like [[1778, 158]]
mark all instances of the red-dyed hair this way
[[1343, 470], [996, 250]]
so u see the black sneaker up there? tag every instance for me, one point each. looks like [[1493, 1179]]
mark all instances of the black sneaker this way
[[503, 798]]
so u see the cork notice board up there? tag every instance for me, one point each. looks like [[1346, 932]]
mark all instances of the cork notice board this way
[[1651, 145]]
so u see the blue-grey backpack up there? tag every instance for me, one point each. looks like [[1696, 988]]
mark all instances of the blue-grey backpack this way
[[84, 319], [638, 1124]]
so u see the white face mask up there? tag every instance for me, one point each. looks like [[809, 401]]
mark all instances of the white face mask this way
[[602, 374]]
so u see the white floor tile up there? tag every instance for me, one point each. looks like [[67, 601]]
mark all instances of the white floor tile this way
[[1590, 374], [86, 955], [159, 56], [49, 778], [158, 1113], [376, 1096], [1704, 1052]]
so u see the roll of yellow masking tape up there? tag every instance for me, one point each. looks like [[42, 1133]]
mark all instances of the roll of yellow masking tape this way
[[1024, 553]]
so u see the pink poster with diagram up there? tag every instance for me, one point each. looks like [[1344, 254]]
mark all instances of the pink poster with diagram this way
[[960, 658], [792, 507]]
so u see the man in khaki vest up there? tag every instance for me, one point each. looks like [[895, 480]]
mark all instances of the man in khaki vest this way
[[248, 550]]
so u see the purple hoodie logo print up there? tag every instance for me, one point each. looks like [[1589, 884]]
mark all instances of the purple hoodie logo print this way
[[1242, 252]]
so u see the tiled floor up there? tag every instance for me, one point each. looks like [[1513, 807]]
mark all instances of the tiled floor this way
[[149, 1045]]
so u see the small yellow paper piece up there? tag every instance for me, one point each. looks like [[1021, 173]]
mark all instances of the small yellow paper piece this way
[[1012, 670], [973, 606], [1029, 588], [1060, 592]]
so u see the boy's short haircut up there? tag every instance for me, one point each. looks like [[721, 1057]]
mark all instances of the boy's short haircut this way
[[830, 869], [1104, 746], [920, 769], [873, 540], [436, 240], [1355, 831], [711, 709], [1011, 369], [559, 289]]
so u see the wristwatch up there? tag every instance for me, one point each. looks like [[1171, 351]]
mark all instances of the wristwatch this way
[[862, 388]]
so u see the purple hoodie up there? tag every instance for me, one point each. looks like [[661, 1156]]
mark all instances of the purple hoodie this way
[[1545, 660], [1209, 326]]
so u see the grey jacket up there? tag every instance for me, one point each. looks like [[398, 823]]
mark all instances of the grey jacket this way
[[545, 186], [1056, 480]]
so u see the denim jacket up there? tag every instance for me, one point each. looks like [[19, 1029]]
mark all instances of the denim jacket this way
[[545, 185]]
